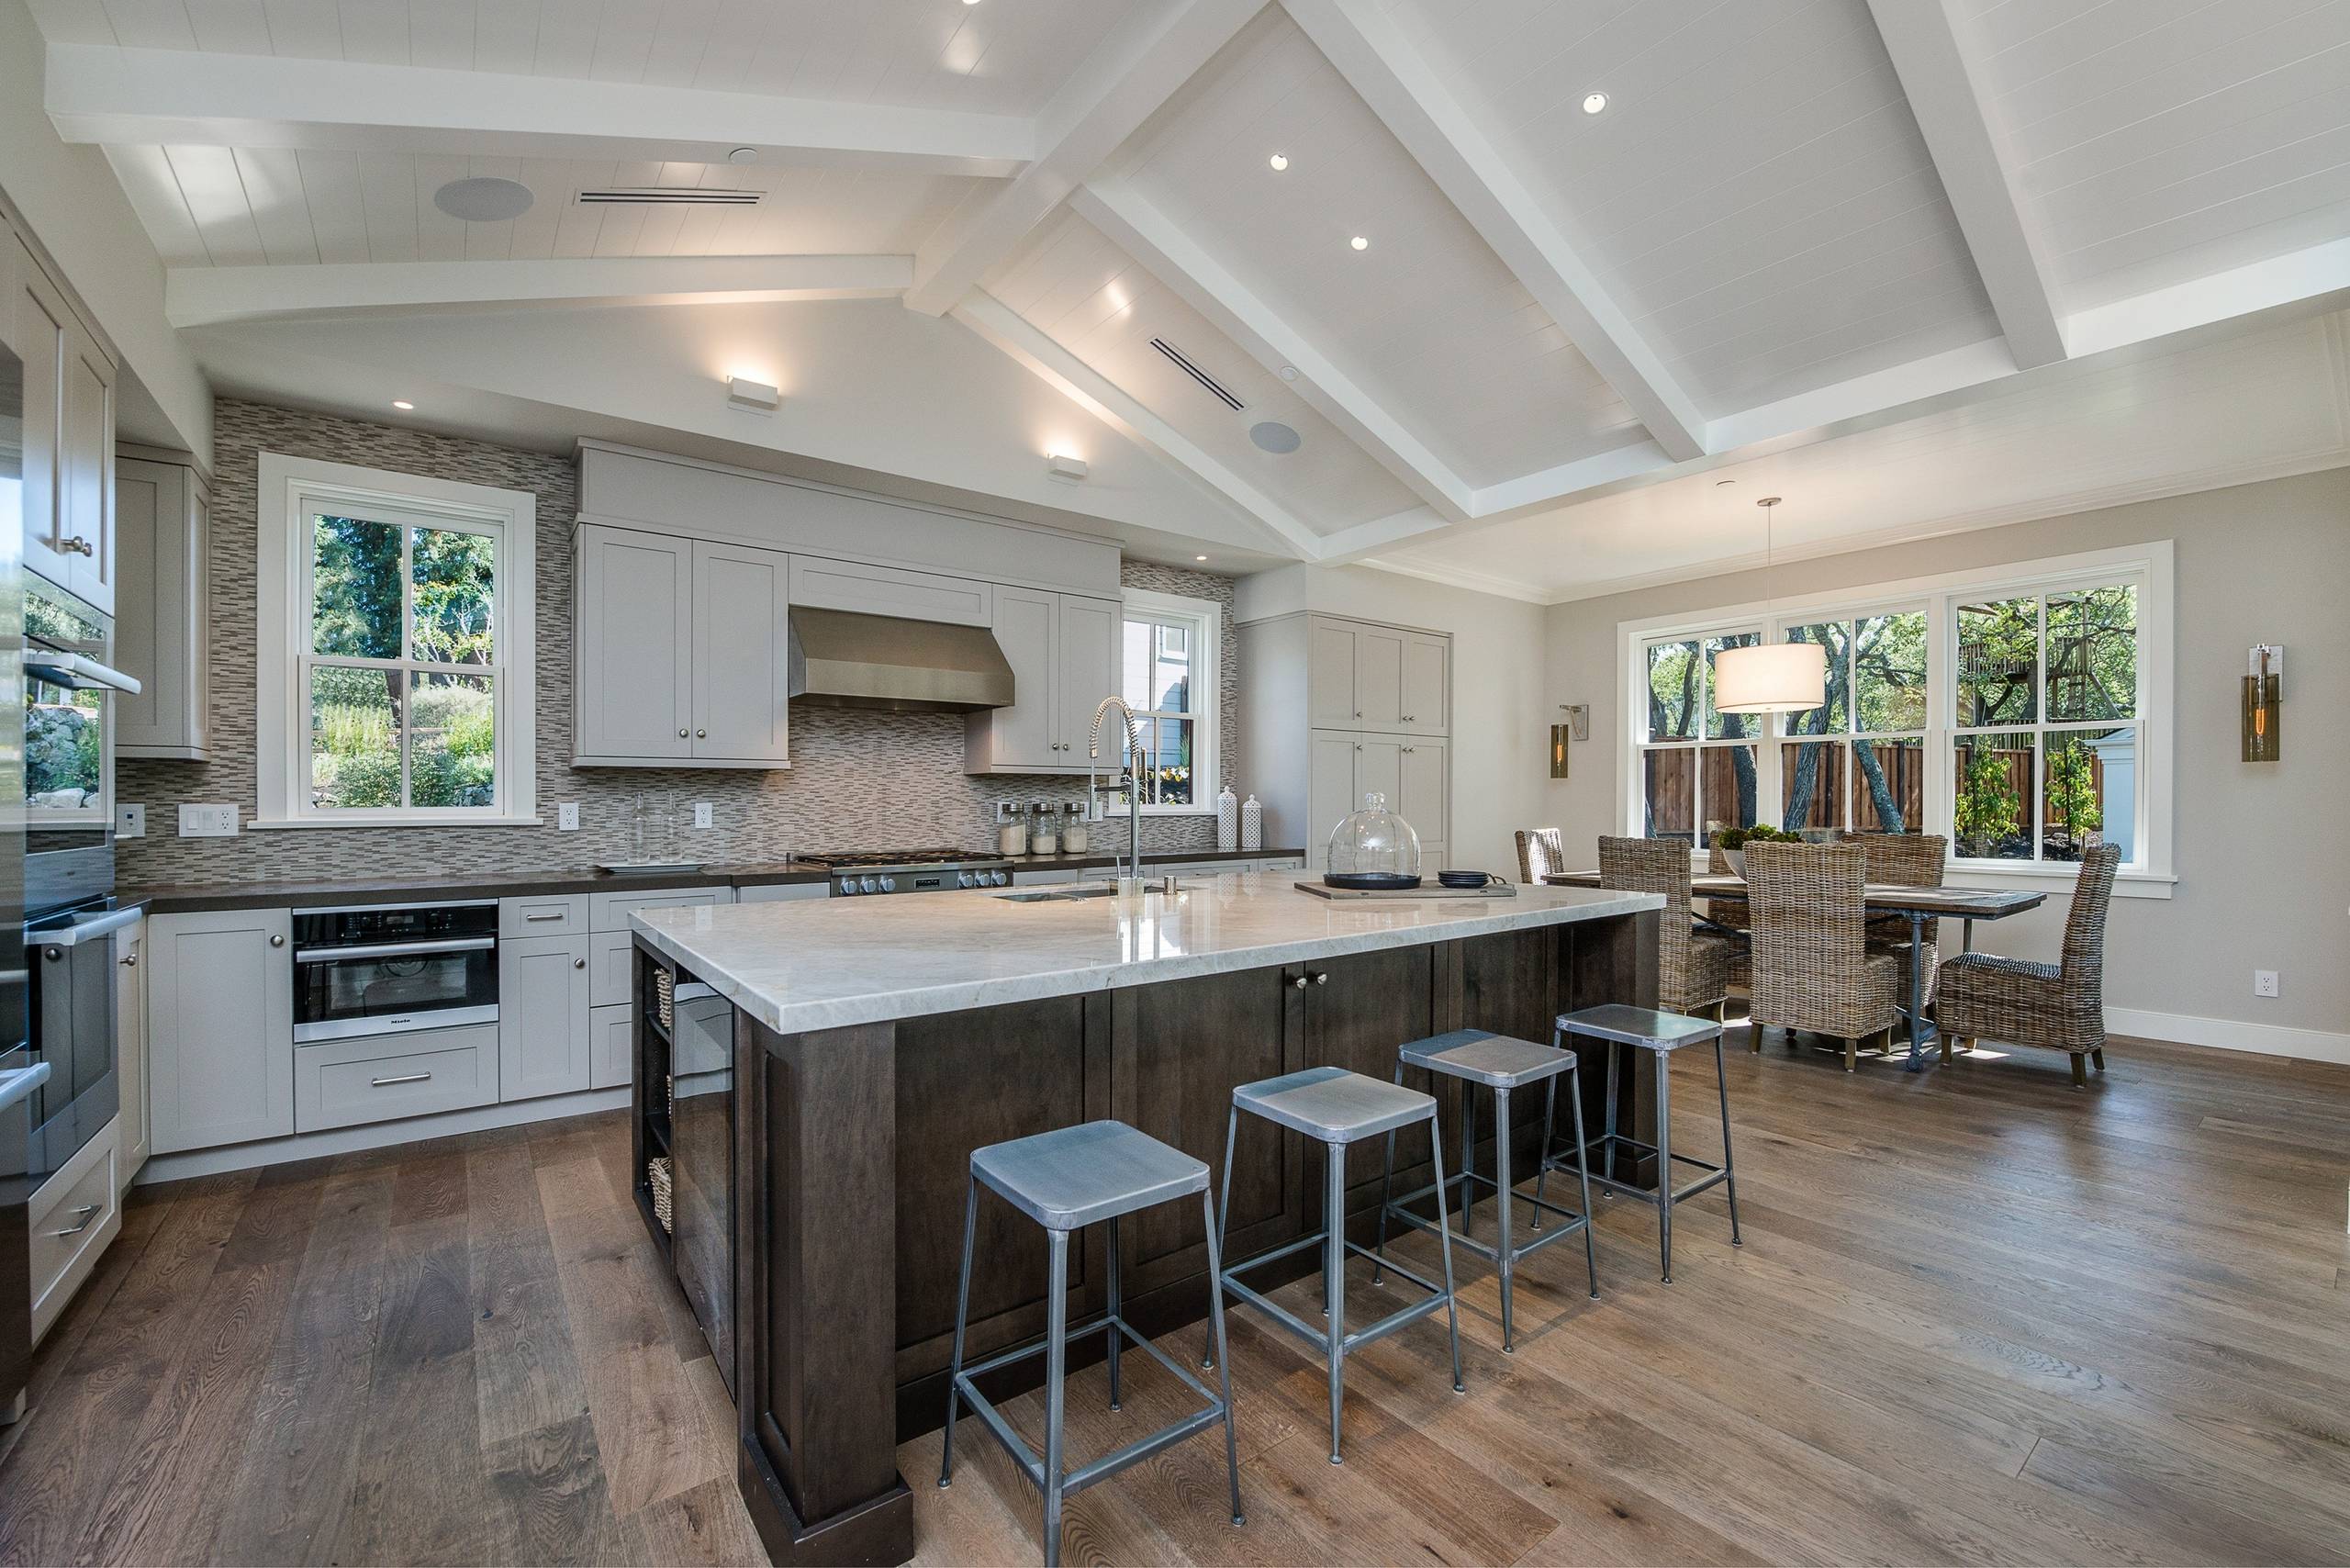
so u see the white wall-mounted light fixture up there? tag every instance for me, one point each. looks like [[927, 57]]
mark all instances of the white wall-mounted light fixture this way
[[1067, 469], [1593, 102], [1771, 678], [752, 396], [402, 404]]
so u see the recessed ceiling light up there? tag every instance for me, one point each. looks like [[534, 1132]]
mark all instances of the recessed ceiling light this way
[[402, 404], [1289, 372], [483, 200], [1279, 161], [1593, 102], [1199, 557], [1359, 244], [743, 155]]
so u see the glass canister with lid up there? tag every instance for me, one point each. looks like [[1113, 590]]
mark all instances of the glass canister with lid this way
[[1044, 830], [1373, 848]]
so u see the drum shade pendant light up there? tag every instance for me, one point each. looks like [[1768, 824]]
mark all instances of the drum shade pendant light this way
[[1771, 678]]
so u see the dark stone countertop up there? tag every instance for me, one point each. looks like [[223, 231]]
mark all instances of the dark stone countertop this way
[[183, 898]]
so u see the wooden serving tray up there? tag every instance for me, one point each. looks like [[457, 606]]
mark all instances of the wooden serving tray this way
[[1431, 889]]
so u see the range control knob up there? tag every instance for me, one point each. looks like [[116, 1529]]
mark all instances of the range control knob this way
[[848, 886], [999, 878], [888, 884], [867, 885], [963, 880]]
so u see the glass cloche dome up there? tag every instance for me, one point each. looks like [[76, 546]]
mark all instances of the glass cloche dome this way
[[1374, 842]]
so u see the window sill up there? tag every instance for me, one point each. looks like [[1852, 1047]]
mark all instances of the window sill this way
[[2045, 878], [271, 825], [1172, 811]]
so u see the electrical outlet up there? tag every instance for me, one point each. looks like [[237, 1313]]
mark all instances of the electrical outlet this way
[[567, 817], [2263, 982], [208, 821], [130, 821], [701, 813]]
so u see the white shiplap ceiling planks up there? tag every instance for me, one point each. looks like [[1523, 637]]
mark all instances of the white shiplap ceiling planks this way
[[997, 59], [1937, 259], [2161, 141]]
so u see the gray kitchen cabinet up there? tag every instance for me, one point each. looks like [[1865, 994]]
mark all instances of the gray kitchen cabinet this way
[[742, 655], [68, 433], [1427, 684], [632, 647], [612, 1036], [543, 1045], [680, 651], [386, 1078], [1345, 767], [136, 1128], [1423, 788], [163, 627], [1379, 678], [866, 589], [1330, 795], [221, 1036], [1063, 649], [1330, 675]]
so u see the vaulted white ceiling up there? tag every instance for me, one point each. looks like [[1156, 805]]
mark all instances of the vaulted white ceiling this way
[[1941, 261]]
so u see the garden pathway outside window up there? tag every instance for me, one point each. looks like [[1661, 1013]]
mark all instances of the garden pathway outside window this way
[[403, 668]]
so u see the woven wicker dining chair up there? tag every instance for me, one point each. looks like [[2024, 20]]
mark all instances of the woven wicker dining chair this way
[[1906, 861], [1693, 966], [2059, 1006], [1539, 853], [1813, 969], [1730, 917]]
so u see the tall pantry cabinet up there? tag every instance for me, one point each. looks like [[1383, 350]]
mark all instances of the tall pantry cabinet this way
[[1334, 709]]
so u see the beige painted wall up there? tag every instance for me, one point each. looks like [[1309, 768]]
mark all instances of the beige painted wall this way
[[1498, 776], [2260, 852]]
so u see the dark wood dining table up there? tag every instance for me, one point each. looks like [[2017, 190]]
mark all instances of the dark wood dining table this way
[[1917, 906]]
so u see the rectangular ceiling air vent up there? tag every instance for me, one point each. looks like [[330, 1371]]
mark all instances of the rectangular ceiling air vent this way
[[668, 195], [1182, 362]]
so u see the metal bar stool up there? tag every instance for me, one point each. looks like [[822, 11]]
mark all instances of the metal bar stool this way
[[1338, 1108], [1500, 1064], [1065, 1181], [1659, 1034]]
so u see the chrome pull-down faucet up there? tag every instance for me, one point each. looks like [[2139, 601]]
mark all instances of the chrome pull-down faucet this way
[[1131, 781]]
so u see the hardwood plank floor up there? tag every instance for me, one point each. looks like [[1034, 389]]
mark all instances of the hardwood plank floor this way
[[1979, 1316]]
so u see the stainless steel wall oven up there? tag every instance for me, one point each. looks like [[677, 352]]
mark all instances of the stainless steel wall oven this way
[[389, 968]]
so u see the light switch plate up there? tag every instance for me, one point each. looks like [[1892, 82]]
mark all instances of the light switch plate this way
[[208, 821], [130, 821], [567, 817], [701, 813]]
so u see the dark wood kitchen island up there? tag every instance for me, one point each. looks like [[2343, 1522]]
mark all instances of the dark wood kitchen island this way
[[875, 1044]]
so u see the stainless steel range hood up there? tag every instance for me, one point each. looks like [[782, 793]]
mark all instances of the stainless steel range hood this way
[[841, 659]]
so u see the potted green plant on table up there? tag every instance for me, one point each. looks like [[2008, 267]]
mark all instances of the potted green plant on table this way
[[1732, 843]]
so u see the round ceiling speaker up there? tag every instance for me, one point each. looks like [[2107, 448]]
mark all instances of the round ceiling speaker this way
[[1271, 435], [483, 200]]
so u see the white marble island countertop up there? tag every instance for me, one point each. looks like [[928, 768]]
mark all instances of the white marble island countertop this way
[[829, 964]]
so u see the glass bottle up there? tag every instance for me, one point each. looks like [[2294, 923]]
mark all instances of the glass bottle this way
[[1075, 836], [1045, 834], [1010, 829]]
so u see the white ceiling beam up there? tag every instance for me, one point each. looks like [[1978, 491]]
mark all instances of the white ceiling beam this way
[[197, 297], [1201, 281], [1036, 352], [2315, 278], [1140, 67], [1395, 79], [1929, 55], [182, 97]]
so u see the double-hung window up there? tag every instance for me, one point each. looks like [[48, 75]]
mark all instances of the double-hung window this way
[[396, 644], [1169, 658], [2020, 711]]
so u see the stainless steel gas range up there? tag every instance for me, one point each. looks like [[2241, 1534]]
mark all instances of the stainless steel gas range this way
[[865, 872]]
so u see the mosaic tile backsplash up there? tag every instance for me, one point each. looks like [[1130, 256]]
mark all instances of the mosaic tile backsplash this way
[[858, 780]]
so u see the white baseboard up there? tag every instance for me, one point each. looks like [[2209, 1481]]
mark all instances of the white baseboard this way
[[346, 1140], [2230, 1035]]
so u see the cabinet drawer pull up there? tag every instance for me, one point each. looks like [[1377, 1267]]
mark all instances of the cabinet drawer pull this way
[[549, 914], [404, 1078], [88, 1213], [76, 545]]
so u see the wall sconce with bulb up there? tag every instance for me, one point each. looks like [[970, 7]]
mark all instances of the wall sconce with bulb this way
[[1576, 728], [2264, 700], [752, 396], [1061, 466]]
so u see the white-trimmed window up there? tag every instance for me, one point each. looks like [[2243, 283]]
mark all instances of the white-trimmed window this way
[[2022, 711], [396, 649], [1169, 659]]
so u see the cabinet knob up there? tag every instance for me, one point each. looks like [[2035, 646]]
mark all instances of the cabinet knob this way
[[1358, 713], [578, 963], [1322, 979], [278, 941], [702, 734], [130, 960], [76, 545], [1300, 982], [681, 734]]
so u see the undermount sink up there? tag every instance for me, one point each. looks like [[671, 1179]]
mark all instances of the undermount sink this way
[[1060, 895]]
